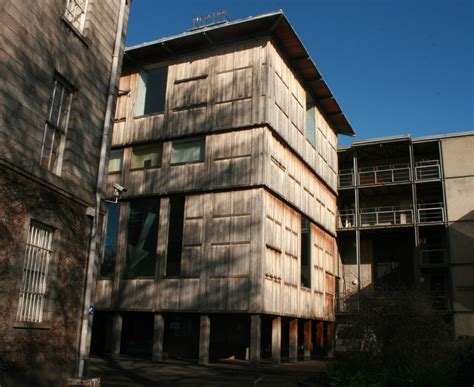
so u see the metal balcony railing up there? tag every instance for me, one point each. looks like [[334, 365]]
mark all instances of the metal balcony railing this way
[[346, 219], [386, 216], [346, 178], [384, 174], [430, 212], [433, 257], [426, 170]]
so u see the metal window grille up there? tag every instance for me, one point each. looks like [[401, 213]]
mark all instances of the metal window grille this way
[[76, 13], [35, 272], [55, 129]]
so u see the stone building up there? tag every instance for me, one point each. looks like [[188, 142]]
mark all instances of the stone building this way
[[223, 245], [407, 216], [58, 61]]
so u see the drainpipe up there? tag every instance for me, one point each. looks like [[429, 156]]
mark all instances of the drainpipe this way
[[86, 321]]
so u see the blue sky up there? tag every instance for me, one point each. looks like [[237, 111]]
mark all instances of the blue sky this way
[[395, 66]]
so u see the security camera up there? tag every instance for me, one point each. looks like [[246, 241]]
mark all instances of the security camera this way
[[119, 188]]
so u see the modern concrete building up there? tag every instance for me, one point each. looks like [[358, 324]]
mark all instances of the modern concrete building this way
[[224, 243], [406, 215], [58, 61]]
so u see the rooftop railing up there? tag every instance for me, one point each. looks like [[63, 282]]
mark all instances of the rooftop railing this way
[[430, 212], [384, 174], [427, 170], [386, 216]]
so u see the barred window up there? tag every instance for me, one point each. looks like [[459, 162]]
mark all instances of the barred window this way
[[56, 126], [35, 272], [76, 13]]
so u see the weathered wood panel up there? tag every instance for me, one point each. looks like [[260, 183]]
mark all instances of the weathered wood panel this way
[[283, 293]]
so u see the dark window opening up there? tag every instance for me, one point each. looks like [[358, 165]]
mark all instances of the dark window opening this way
[[142, 232], [310, 120], [175, 235], [151, 91], [109, 253], [305, 253]]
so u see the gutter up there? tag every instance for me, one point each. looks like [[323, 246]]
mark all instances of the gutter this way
[[86, 321]]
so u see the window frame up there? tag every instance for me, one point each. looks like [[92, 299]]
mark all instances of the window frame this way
[[60, 127], [141, 92], [156, 145], [70, 16], [201, 139], [38, 251], [117, 207], [118, 151]]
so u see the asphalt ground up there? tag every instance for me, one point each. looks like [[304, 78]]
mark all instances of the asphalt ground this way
[[128, 371]]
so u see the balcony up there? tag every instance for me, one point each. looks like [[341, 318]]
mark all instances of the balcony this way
[[427, 170], [346, 219], [433, 257], [346, 178], [430, 212], [386, 216], [384, 174]]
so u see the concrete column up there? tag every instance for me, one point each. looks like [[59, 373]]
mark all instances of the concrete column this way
[[293, 336], [308, 343], [116, 335], [158, 333], [320, 337], [255, 337], [276, 339], [330, 338], [204, 339]]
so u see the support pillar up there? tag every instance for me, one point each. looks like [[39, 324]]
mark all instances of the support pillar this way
[[276, 339], [320, 337], [204, 339], [308, 343], [330, 337], [293, 336], [158, 333], [255, 337], [116, 335]]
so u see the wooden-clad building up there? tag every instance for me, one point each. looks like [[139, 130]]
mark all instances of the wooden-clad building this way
[[223, 243], [58, 60]]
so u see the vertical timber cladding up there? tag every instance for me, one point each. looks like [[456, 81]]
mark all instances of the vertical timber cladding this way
[[283, 293], [215, 89], [286, 113]]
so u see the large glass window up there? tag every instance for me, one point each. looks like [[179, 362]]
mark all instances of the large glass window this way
[[146, 156], [151, 91], [142, 231], [310, 120], [115, 160], [305, 253], [175, 236], [109, 253], [188, 151]]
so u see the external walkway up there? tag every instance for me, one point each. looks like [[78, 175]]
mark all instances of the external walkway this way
[[128, 371]]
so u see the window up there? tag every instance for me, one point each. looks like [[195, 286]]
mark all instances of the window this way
[[175, 236], [305, 253], [115, 160], [146, 156], [151, 91], [188, 151], [310, 120], [56, 126], [142, 230], [109, 253], [76, 13], [35, 273]]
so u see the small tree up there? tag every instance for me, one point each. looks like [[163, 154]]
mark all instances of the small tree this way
[[398, 338]]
